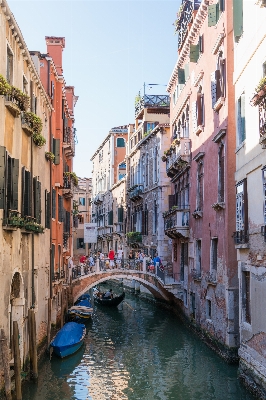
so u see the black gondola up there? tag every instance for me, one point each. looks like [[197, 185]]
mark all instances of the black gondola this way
[[114, 302]]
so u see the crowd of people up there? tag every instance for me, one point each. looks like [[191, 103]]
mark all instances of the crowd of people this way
[[113, 260]]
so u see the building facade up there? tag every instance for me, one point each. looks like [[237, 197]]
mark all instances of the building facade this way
[[249, 80], [200, 164], [81, 215], [25, 110], [147, 184], [109, 169]]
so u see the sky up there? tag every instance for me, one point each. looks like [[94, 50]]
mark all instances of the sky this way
[[112, 49]]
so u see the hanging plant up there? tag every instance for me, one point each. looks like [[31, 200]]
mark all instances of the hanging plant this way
[[177, 22], [49, 155], [73, 177], [164, 158], [33, 121], [5, 88], [38, 139], [261, 85], [22, 99]]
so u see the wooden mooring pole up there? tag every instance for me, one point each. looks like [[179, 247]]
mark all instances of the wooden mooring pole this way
[[49, 322], [5, 363], [17, 364], [33, 345]]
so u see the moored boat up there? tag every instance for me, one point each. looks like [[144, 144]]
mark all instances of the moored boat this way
[[69, 339], [81, 311], [111, 302]]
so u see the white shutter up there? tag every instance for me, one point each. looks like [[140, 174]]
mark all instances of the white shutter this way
[[194, 116], [213, 88]]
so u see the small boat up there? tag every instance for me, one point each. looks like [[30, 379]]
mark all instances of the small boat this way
[[113, 302], [84, 296], [81, 311], [69, 339]]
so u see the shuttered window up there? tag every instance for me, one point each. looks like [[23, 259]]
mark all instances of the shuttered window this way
[[213, 14], [241, 119], [47, 209], [67, 222], [26, 193], [238, 18], [53, 203], [201, 43], [37, 199], [56, 151], [194, 116], [214, 246], [120, 214], [181, 76], [110, 217], [171, 200], [194, 53], [60, 209], [9, 171]]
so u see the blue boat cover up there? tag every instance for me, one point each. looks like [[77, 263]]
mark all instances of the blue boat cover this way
[[71, 333], [84, 303], [84, 296]]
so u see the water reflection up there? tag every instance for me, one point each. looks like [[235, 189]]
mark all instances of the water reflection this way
[[138, 351]]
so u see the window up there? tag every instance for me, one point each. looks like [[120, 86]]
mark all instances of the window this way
[[238, 18], [208, 309], [246, 296], [56, 151], [147, 170], [155, 217], [53, 203], [214, 258], [37, 200], [155, 162], [120, 142], [121, 170], [241, 121], [82, 201], [198, 257], [60, 209], [144, 220], [214, 12], [241, 234], [47, 209], [9, 66], [183, 259], [26, 193], [198, 111], [9, 171], [199, 199], [150, 126], [80, 243], [221, 177]]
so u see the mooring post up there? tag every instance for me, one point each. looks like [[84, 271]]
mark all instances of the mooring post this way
[[17, 364], [5, 363]]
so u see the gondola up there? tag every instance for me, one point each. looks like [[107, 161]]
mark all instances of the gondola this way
[[69, 339], [114, 302]]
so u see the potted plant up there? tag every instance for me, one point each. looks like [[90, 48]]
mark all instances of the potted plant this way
[[73, 177], [164, 158], [49, 156], [261, 89], [33, 121], [21, 98], [5, 88], [38, 139]]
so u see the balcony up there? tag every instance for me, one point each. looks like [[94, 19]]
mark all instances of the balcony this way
[[69, 142], [184, 18], [154, 104], [98, 199], [196, 274], [176, 222], [135, 192], [178, 157], [13, 105], [68, 187], [241, 237]]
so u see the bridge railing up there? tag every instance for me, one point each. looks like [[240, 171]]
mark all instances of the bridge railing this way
[[121, 263]]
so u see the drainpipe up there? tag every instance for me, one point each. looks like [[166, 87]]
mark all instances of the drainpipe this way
[[32, 235], [51, 184]]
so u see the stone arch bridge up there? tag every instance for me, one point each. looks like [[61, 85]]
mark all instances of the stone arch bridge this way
[[149, 280]]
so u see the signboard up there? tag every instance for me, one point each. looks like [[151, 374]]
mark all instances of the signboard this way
[[118, 130], [90, 232]]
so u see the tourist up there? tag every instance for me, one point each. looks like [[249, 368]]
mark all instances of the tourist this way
[[108, 294], [111, 257], [70, 265]]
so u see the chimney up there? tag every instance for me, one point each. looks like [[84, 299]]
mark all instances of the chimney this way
[[55, 46]]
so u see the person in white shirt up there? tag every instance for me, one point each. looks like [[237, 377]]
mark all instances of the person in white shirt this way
[[70, 265]]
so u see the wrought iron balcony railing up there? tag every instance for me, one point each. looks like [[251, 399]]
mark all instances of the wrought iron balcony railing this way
[[69, 141], [156, 102], [136, 193], [241, 237], [178, 157], [184, 18], [176, 223]]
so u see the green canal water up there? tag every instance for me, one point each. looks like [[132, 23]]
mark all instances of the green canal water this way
[[138, 351]]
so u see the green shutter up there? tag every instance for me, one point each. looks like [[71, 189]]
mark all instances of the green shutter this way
[[2, 176], [181, 76], [15, 172], [120, 214], [47, 209], [37, 199], [186, 72], [56, 151], [110, 217], [26, 193], [238, 17], [243, 118], [53, 203], [213, 14], [194, 52]]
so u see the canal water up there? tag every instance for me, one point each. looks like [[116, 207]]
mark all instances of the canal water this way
[[138, 351]]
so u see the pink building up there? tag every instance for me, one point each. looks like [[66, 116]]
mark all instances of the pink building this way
[[200, 164]]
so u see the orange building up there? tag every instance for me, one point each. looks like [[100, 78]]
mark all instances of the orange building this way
[[62, 151]]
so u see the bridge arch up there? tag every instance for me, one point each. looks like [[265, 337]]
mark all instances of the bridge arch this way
[[148, 280]]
